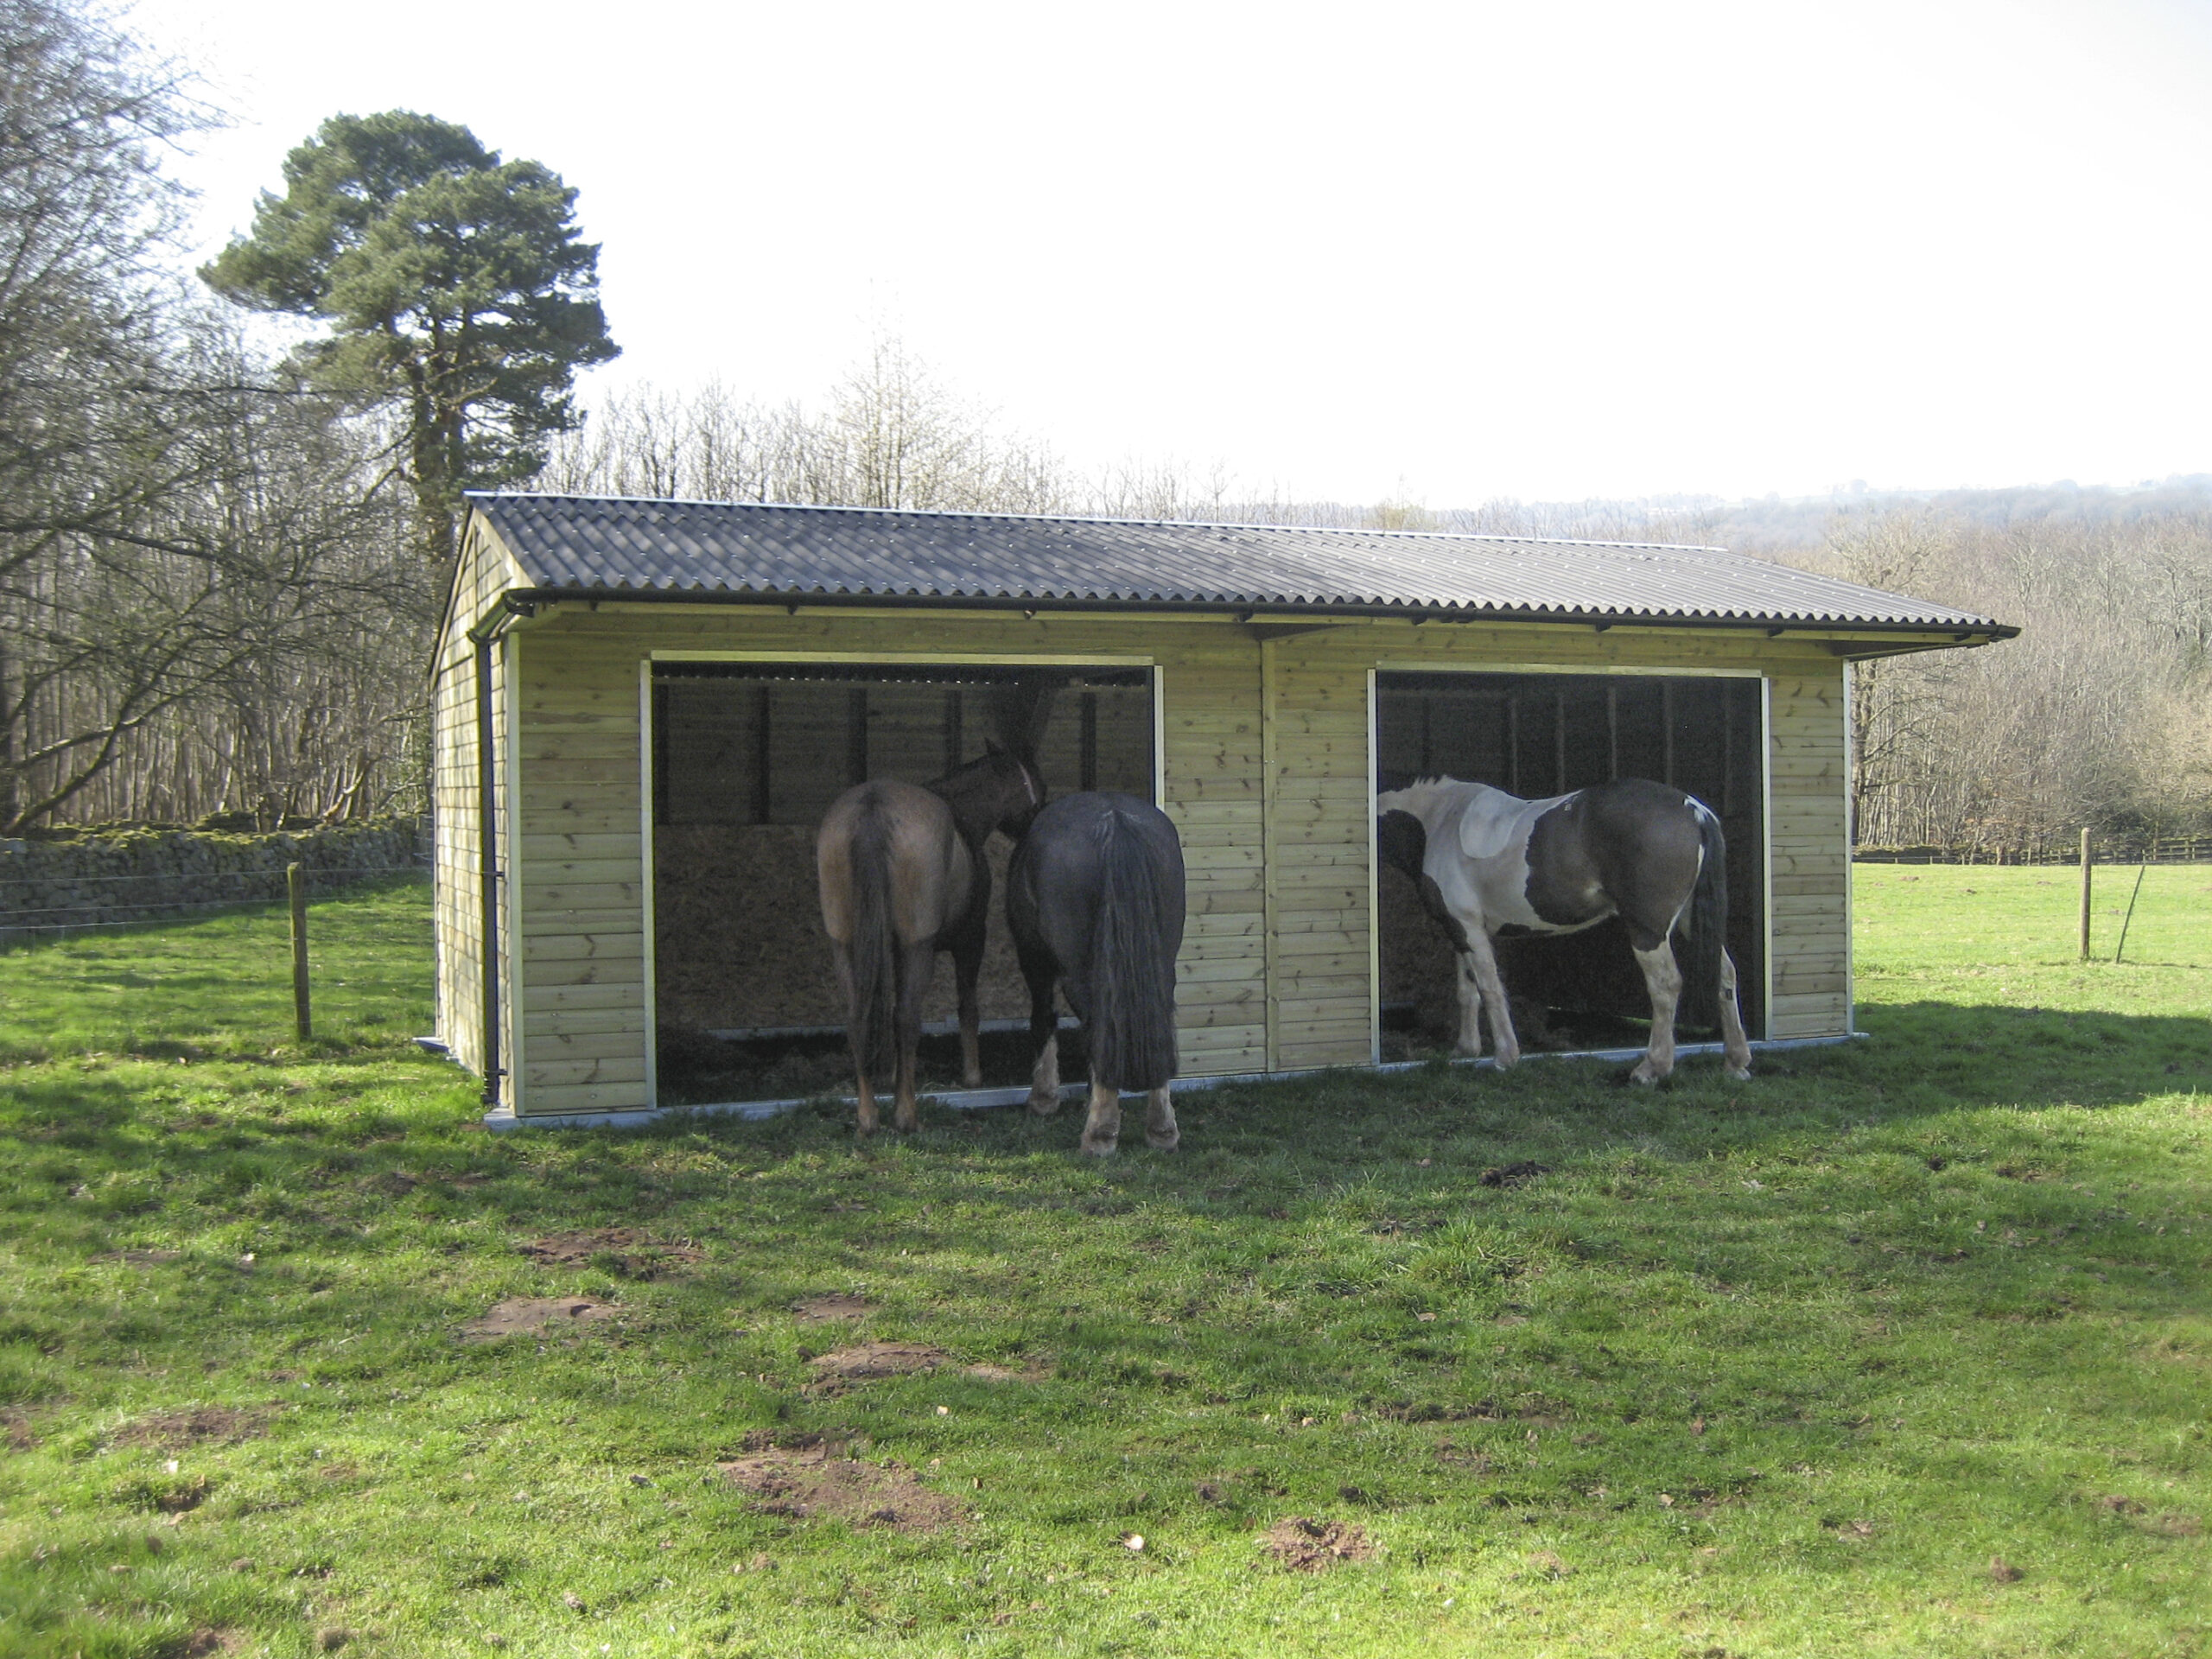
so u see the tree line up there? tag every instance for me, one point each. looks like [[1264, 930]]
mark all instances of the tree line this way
[[222, 563], [219, 563]]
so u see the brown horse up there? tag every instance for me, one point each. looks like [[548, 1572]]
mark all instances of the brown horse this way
[[903, 877]]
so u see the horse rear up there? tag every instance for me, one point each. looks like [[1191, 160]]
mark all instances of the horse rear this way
[[1095, 899], [895, 876]]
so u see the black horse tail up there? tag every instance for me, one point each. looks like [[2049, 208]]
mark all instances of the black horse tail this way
[[1707, 933], [1132, 977], [873, 950]]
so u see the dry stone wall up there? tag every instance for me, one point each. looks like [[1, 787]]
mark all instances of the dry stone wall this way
[[102, 877]]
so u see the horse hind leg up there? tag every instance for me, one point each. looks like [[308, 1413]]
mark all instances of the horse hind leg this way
[[966, 945], [1663, 978], [1101, 1131], [1044, 1033], [1161, 1132], [856, 1042], [967, 968], [916, 962], [1736, 1047], [1045, 1078]]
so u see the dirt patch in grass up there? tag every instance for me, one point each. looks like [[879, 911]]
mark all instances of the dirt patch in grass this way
[[16, 1431], [822, 1310], [865, 1362], [636, 1256], [537, 1316], [810, 1483], [2170, 1524], [1305, 1545], [140, 1258], [1518, 1174], [208, 1639], [202, 1425]]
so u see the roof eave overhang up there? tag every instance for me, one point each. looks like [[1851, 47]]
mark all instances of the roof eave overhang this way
[[1863, 639]]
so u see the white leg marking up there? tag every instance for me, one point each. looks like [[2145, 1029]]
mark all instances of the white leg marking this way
[[1663, 979], [1103, 1129], [1160, 1129], [1736, 1048], [1470, 996], [1045, 1078]]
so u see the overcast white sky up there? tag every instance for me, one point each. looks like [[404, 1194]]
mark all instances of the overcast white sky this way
[[1543, 250]]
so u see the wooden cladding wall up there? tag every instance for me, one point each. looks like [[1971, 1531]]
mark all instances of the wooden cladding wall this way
[[1266, 771], [484, 571]]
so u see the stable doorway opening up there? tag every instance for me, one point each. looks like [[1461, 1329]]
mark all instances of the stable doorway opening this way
[[746, 758], [1538, 734]]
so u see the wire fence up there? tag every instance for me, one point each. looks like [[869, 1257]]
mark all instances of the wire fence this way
[[23, 919], [2117, 849]]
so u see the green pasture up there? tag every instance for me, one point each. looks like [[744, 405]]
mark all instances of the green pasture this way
[[1902, 1348]]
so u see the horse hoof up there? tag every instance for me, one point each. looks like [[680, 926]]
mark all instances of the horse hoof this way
[[1644, 1078], [1167, 1144], [1044, 1105], [1739, 1073], [971, 1080], [1097, 1149]]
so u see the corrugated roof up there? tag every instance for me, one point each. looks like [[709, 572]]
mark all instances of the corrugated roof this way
[[717, 550]]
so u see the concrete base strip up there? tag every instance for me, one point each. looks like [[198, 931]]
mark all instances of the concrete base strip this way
[[977, 1100]]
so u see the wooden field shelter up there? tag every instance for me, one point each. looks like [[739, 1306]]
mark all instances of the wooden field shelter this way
[[642, 707]]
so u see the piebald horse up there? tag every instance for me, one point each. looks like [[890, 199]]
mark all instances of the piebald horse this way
[[1485, 861], [902, 877], [1094, 899]]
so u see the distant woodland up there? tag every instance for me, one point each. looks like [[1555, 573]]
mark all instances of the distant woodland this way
[[2099, 716], [222, 563]]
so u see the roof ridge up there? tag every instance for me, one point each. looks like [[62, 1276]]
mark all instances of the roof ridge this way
[[1088, 518]]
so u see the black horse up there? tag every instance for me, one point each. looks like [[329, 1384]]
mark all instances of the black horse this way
[[1095, 901]]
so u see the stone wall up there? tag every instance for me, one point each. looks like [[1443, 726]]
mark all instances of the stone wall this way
[[107, 876]]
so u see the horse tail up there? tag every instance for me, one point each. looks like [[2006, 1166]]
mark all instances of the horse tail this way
[[875, 947], [1132, 978], [1707, 932]]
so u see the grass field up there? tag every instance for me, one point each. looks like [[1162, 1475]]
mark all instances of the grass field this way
[[1902, 1348]]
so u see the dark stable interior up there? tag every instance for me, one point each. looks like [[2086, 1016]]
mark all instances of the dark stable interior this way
[[747, 757], [1542, 735]]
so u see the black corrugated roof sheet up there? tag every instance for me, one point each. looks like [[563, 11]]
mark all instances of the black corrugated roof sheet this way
[[712, 550]]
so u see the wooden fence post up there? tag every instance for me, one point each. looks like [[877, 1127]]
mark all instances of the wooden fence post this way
[[2085, 895], [295, 884]]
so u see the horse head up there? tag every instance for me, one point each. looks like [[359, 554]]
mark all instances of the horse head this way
[[998, 789]]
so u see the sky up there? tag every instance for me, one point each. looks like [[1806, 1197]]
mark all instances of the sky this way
[[1447, 254]]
